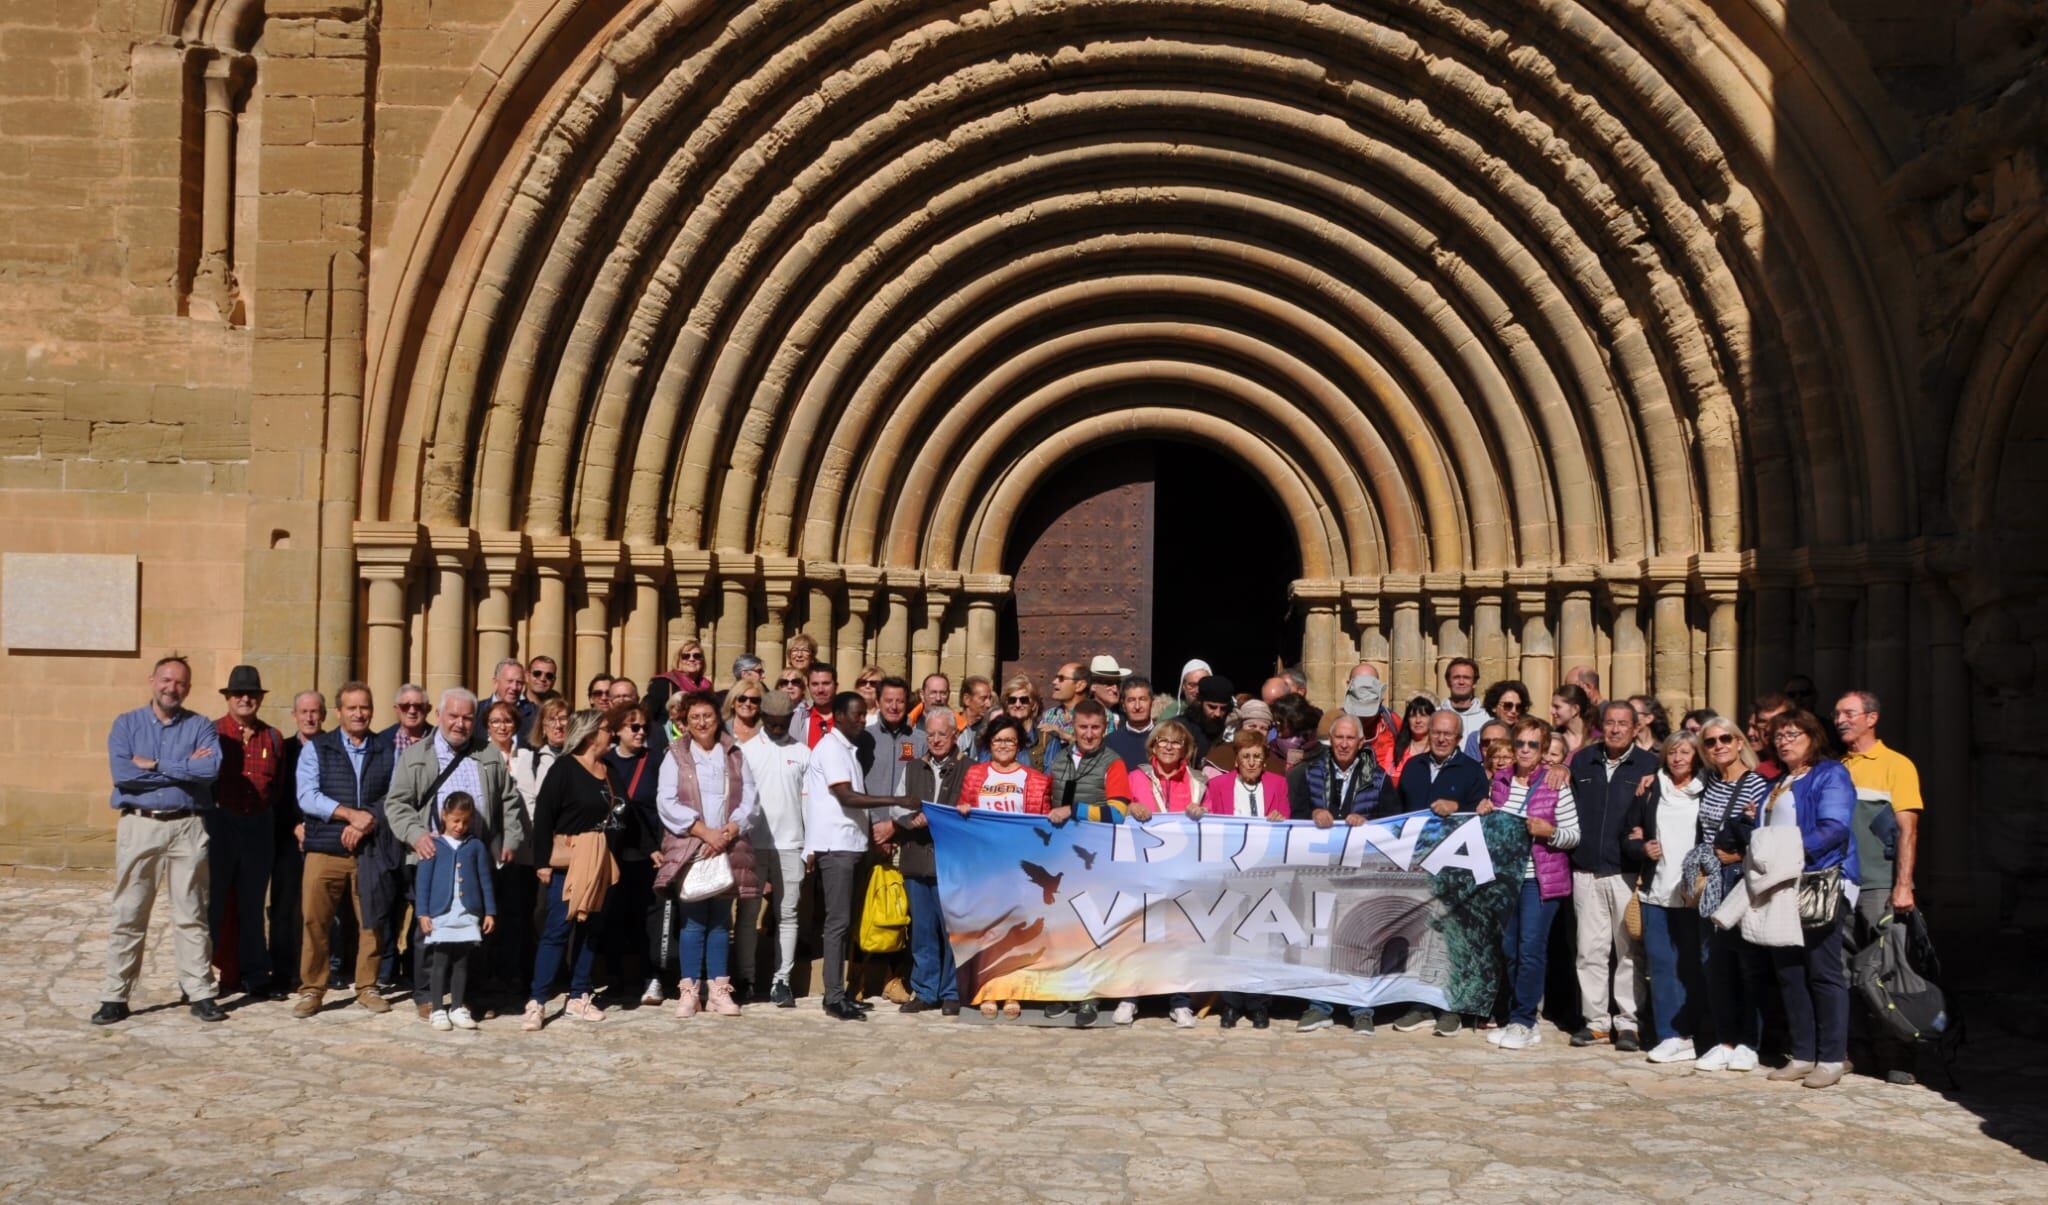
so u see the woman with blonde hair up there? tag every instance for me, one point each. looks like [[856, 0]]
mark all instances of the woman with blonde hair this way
[[1736, 973], [800, 652], [1020, 701]]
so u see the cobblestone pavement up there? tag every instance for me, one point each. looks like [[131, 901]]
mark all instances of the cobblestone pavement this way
[[781, 1104]]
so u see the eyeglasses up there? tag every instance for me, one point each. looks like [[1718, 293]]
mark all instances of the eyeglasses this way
[[1788, 734], [1173, 744], [1508, 705], [1715, 742], [1528, 744]]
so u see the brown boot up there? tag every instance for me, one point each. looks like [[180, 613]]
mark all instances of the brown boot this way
[[309, 1003], [896, 991], [719, 999], [374, 1002]]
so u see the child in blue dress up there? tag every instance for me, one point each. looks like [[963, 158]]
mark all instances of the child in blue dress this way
[[452, 893]]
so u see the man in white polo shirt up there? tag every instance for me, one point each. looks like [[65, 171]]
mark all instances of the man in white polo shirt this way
[[836, 838]]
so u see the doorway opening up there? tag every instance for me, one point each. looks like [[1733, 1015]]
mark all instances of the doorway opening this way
[[1155, 552]]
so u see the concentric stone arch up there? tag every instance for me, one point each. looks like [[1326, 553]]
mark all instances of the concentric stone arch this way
[[1549, 321]]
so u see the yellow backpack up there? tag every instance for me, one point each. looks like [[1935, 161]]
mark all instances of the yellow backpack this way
[[885, 920]]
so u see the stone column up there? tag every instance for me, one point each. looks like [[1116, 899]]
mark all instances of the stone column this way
[[643, 657], [1410, 676], [692, 568], [600, 559], [1887, 617], [1447, 620], [1717, 577], [821, 579], [1577, 643], [863, 584], [503, 555], [1834, 610], [384, 557], [927, 646], [1319, 598], [984, 591], [215, 290], [1362, 594], [892, 648], [448, 626], [1628, 666], [1538, 667], [547, 632], [1768, 624], [1489, 638], [735, 628], [1671, 633], [779, 577], [1954, 870]]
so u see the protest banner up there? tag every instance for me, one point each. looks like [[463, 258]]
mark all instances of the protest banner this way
[[1404, 909]]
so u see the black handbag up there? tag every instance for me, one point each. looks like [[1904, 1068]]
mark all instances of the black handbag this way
[[1820, 899]]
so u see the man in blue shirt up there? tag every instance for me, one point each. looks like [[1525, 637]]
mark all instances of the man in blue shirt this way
[[164, 761], [1446, 782], [342, 776]]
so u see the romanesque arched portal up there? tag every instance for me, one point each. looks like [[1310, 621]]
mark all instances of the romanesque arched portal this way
[[1554, 327]]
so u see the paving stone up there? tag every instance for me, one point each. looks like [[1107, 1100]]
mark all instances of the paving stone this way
[[781, 1104]]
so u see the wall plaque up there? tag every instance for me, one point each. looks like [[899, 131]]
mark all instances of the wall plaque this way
[[59, 602]]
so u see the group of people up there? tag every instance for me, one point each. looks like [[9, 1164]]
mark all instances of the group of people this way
[[665, 834]]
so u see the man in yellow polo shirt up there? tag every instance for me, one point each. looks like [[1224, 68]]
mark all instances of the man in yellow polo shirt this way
[[1887, 833]]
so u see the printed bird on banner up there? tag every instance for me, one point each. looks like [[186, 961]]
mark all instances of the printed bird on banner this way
[[1087, 857], [1043, 879]]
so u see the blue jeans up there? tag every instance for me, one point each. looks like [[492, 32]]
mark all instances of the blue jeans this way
[[931, 955], [1671, 938], [706, 939], [1736, 974], [1525, 940], [557, 934]]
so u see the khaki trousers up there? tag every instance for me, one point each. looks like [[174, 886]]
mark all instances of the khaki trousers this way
[[328, 890], [1600, 902], [144, 849]]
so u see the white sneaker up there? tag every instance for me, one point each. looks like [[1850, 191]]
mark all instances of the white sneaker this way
[[1715, 1059], [440, 1020], [461, 1019], [1744, 1059], [652, 995], [1495, 1037], [1519, 1037], [1126, 1013], [1183, 1018], [1673, 1050]]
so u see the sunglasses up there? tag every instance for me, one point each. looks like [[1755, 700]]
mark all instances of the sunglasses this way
[[754, 699], [868, 682], [691, 657], [789, 682], [1528, 744], [411, 706], [1018, 699], [1715, 742], [1508, 705], [636, 727]]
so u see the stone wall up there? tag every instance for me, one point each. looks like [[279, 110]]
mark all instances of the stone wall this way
[[124, 420]]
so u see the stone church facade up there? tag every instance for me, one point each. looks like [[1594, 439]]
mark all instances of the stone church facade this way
[[1699, 341]]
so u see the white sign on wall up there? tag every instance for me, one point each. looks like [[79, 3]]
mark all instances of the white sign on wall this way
[[60, 602]]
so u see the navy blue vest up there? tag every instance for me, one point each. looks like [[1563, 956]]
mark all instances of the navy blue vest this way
[[338, 782]]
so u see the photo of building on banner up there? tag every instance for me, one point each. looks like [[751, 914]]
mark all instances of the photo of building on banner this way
[[1403, 909]]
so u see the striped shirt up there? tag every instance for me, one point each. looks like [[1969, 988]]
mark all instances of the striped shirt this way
[[1722, 796]]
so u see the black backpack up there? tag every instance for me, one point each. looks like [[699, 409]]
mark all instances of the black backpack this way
[[1897, 976]]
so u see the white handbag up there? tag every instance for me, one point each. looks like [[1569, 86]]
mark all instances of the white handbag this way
[[707, 877]]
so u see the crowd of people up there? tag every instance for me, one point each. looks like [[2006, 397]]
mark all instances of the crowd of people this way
[[660, 845]]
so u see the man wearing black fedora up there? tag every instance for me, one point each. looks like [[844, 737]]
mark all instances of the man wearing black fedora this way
[[241, 838]]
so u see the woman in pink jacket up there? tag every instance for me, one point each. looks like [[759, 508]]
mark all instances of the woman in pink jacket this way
[[1253, 790], [1167, 782]]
